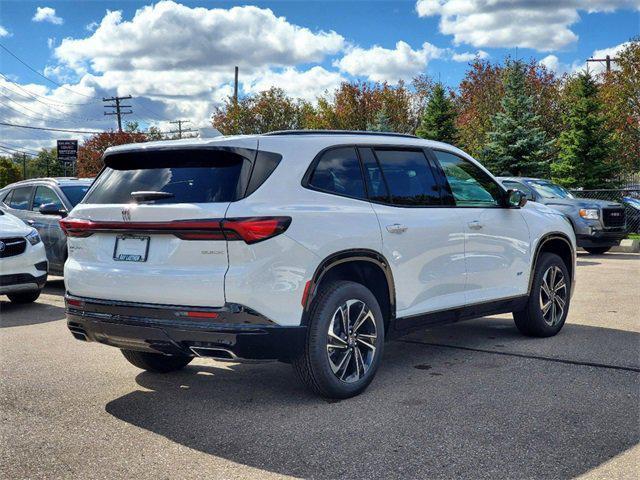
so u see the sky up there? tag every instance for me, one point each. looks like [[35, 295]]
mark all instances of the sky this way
[[176, 58]]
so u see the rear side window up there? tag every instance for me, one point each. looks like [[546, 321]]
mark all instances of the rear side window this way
[[185, 176], [21, 198], [338, 171], [75, 193], [408, 177]]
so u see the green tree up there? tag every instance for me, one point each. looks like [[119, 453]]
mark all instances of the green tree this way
[[585, 145], [381, 122], [9, 171], [45, 164], [439, 118], [517, 145]]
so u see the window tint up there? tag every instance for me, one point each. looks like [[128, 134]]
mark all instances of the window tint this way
[[75, 193], [470, 186], [375, 181], [21, 198], [408, 177], [187, 176], [338, 171], [43, 196], [7, 197]]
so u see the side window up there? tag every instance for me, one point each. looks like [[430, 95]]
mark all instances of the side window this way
[[338, 171], [7, 197], [21, 198], [470, 186], [45, 195], [408, 177], [376, 184]]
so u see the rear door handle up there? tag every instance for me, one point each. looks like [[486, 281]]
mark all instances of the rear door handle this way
[[396, 228], [30, 222], [475, 225]]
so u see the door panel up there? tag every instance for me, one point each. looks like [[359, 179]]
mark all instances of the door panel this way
[[48, 226]]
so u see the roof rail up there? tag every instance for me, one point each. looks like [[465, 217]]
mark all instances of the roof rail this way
[[45, 179], [338, 132]]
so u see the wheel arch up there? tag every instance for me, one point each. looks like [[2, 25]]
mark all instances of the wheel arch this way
[[364, 266], [559, 244]]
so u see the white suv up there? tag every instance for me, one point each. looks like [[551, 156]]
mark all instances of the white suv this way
[[306, 247]]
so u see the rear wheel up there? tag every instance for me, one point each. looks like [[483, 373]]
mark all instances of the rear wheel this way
[[24, 297], [344, 341], [597, 250], [156, 362], [548, 304]]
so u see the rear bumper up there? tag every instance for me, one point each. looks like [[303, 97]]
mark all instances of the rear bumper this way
[[601, 238], [237, 333], [22, 282]]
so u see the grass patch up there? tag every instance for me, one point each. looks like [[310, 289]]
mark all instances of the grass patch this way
[[634, 236]]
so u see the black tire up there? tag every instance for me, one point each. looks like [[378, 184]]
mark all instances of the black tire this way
[[156, 362], [315, 365], [597, 250], [532, 320], [24, 297]]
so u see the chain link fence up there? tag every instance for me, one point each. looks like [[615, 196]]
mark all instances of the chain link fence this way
[[629, 197]]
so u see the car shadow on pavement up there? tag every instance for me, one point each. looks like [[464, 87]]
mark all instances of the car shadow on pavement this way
[[442, 406], [28, 314]]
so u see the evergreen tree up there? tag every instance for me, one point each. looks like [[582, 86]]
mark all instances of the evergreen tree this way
[[585, 143], [517, 146], [381, 122], [438, 119]]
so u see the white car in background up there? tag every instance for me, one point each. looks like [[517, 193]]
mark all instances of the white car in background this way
[[23, 261]]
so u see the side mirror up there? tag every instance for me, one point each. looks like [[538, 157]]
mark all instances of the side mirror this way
[[52, 209], [516, 198]]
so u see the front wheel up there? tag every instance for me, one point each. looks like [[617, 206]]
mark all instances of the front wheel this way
[[597, 250], [345, 340], [548, 304], [156, 362]]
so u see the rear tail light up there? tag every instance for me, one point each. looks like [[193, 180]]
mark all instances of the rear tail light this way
[[255, 229], [251, 230]]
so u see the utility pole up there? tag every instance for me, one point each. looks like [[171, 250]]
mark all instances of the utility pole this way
[[235, 88], [118, 108], [24, 166], [606, 59], [181, 130]]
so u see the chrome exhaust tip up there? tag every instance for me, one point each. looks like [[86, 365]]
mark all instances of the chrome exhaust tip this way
[[214, 352]]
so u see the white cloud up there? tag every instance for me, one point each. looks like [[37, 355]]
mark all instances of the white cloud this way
[[4, 32], [91, 26], [469, 56], [47, 14], [169, 35], [51, 42], [307, 84], [553, 63], [380, 64], [537, 24]]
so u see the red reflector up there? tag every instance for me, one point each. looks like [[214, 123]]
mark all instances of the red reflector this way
[[256, 229], [305, 293], [74, 303], [202, 314]]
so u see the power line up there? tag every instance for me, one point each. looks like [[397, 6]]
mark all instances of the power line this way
[[606, 59], [43, 115], [14, 151], [87, 132], [118, 108], [181, 130], [35, 95], [43, 76], [12, 147]]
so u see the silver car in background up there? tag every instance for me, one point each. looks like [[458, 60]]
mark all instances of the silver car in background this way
[[41, 203]]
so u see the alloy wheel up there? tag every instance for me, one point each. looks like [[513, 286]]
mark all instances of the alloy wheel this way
[[553, 295], [351, 341]]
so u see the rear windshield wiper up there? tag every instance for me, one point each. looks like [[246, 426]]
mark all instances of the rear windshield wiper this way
[[150, 195]]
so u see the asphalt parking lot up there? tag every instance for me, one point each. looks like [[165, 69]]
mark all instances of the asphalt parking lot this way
[[472, 400]]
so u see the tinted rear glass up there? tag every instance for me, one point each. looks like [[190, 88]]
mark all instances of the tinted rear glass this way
[[75, 194], [189, 176], [338, 171], [409, 177], [21, 198]]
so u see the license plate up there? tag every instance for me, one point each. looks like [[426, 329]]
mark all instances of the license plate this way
[[131, 249]]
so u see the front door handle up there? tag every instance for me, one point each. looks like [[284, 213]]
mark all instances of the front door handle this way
[[396, 228], [475, 225], [30, 222]]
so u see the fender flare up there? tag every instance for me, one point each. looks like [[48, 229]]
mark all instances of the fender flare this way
[[346, 256], [544, 239]]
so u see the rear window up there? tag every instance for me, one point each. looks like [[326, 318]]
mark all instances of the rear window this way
[[21, 198], [185, 176]]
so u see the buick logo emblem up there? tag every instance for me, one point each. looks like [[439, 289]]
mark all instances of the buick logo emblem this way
[[126, 214], [2, 246]]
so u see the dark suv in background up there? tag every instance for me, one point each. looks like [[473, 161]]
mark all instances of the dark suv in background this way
[[41, 203], [598, 224]]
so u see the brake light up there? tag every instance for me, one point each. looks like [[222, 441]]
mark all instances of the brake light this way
[[192, 314], [73, 227], [255, 229], [74, 302]]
